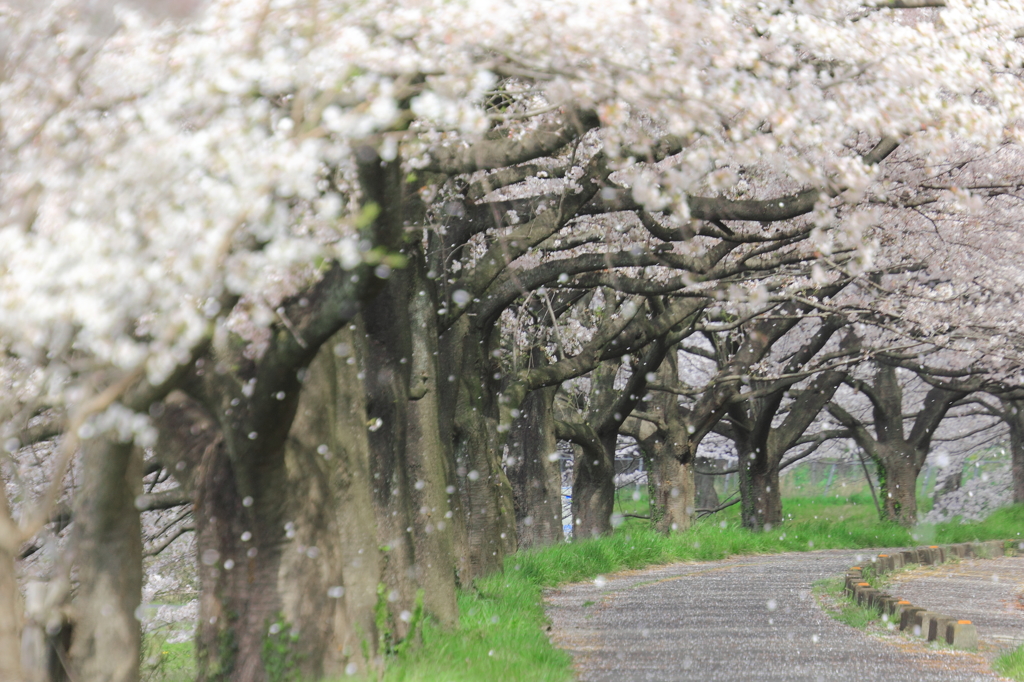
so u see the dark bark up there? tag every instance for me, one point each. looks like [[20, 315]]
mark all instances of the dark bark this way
[[332, 564], [1012, 413], [533, 469], [899, 457], [1017, 450], [671, 484], [764, 444], [490, 153], [240, 507], [593, 490], [470, 380], [760, 443], [240, 512], [10, 606], [761, 500], [409, 455]]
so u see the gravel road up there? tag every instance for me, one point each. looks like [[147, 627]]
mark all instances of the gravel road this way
[[742, 618]]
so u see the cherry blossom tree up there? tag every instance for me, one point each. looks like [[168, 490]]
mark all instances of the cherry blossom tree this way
[[194, 210]]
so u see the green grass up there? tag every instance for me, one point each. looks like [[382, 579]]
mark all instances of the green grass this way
[[166, 662], [517, 639], [842, 607], [502, 627], [502, 635], [1003, 524], [1011, 664]]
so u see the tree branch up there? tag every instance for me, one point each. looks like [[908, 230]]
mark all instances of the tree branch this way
[[490, 153]]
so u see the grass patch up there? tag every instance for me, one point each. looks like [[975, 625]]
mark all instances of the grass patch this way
[[1003, 524], [1011, 664], [502, 632], [163, 661], [502, 626], [838, 604]]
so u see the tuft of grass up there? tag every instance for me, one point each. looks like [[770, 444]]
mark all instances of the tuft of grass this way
[[842, 607], [1011, 664], [1003, 524], [857, 616], [163, 661]]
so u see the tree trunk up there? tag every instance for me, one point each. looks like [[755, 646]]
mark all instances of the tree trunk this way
[[897, 483], [410, 456], [10, 606], [241, 506], [671, 483], [671, 486], [674, 494], [241, 536], [429, 456], [108, 545], [1015, 418], [470, 388], [707, 496], [331, 565], [593, 491], [533, 471], [761, 500], [387, 384]]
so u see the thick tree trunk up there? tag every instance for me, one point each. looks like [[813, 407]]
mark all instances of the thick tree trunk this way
[[468, 369], [387, 383], [241, 507], [331, 566], [707, 496], [317, 572], [671, 485], [533, 470], [108, 547], [761, 500], [593, 491], [429, 457], [10, 606], [410, 455], [897, 483], [241, 537], [1015, 418], [673, 498]]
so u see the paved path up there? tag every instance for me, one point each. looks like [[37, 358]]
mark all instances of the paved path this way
[[745, 618], [986, 592]]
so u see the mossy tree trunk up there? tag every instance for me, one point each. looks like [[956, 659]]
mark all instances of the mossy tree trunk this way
[[898, 470], [470, 382], [761, 500], [898, 456], [671, 483], [409, 456], [327, 460], [241, 505], [533, 469], [1012, 413]]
